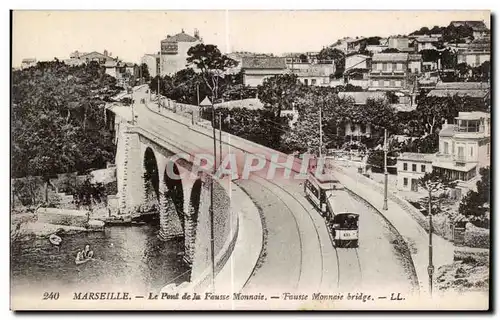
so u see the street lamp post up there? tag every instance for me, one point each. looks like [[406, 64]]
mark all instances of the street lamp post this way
[[385, 170], [430, 268], [212, 246]]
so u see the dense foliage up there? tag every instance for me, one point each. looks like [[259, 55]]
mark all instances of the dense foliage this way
[[58, 119], [475, 205]]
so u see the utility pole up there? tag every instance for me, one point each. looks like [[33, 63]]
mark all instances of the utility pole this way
[[320, 130], [198, 93], [212, 246], [385, 170], [430, 268]]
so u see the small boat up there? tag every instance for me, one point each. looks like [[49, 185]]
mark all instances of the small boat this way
[[55, 239]]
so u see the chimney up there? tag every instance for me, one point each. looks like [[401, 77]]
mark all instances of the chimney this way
[[196, 34], [105, 52]]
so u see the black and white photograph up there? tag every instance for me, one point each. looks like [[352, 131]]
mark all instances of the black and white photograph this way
[[250, 160]]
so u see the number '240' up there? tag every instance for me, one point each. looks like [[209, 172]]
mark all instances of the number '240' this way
[[50, 295]]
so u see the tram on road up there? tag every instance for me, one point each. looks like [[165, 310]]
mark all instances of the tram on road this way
[[329, 196]]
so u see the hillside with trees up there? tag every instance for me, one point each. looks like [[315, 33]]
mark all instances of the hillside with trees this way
[[58, 119]]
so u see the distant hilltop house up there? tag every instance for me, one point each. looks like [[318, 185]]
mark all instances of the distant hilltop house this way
[[479, 28], [174, 49], [256, 69], [28, 62], [100, 58], [349, 45]]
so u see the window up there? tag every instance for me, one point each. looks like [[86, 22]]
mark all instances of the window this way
[[394, 66], [445, 147], [405, 166], [405, 181], [414, 167], [387, 83], [422, 168], [400, 66], [384, 66], [380, 83], [398, 83], [313, 81], [471, 151], [488, 149], [306, 81]]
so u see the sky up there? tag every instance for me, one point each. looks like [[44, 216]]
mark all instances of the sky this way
[[129, 35]]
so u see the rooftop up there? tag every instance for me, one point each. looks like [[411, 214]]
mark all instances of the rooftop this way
[[426, 39], [447, 131], [463, 85], [459, 92], [180, 37], [415, 57], [362, 96], [390, 57], [251, 104], [413, 156], [474, 115], [263, 63]]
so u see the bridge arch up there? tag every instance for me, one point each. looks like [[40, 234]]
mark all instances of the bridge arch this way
[[150, 175], [192, 219]]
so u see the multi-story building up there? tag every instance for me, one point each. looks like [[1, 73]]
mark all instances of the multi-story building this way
[[389, 72], [174, 51], [316, 74], [477, 52], [153, 63], [464, 147], [415, 63], [256, 69], [411, 167]]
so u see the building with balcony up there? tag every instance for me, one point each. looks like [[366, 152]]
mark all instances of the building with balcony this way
[[389, 72], [464, 147], [411, 167], [174, 49]]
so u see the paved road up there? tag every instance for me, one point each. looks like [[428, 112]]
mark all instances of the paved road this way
[[299, 254]]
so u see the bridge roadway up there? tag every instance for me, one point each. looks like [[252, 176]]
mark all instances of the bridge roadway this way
[[298, 255]]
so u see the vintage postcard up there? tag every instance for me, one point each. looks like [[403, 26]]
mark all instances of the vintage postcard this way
[[250, 160]]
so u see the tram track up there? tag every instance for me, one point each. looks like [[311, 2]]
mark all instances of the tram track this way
[[266, 184]]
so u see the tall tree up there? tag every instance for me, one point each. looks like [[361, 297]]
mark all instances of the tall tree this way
[[212, 64]]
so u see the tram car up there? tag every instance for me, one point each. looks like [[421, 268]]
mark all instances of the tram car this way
[[335, 204]]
